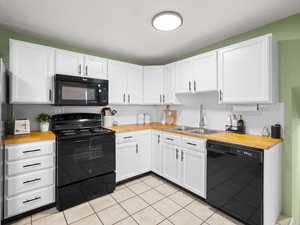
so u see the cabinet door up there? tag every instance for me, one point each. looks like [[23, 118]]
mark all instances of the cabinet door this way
[[184, 76], [205, 72], [117, 76], [95, 67], [245, 74], [126, 161], [169, 84], [69, 63], [193, 170], [143, 153], [171, 162], [134, 84], [32, 68], [156, 153], [153, 84]]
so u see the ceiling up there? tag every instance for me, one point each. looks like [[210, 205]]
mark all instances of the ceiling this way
[[122, 28]]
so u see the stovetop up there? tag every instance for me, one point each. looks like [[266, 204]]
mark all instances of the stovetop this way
[[82, 132]]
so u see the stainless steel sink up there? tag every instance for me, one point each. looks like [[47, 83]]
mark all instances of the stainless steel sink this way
[[195, 130], [204, 131]]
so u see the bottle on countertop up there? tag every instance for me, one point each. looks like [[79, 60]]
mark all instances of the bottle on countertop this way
[[240, 124], [234, 122]]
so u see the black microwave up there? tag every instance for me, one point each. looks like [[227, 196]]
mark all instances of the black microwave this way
[[80, 91]]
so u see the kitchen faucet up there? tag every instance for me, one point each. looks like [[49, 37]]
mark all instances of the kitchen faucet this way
[[201, 119]]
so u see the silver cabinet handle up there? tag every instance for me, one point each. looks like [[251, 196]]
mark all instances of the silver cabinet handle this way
[[30, 151], [159, 98], [163, 98], [30, 181], [79, 69], [190, 89], [31, 200], [176, 153], [127, 137], [50, 95], [124, 98], [170, 139], [221, 95], [181, 156], [128, 97], [194, 86], [86, 70], [136, 148], [189, 143], [158, 139]]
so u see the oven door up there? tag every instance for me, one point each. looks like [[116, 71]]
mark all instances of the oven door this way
[[83, 158], [70, 90]]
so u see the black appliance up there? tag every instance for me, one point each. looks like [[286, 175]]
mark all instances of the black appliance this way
[[85, 158], [235, 181], [276, 131], [80, 91]]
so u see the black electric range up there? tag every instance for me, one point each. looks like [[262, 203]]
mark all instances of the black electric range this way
[[85, 158]]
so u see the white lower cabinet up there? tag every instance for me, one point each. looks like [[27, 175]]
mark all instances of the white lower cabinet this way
[[171, 167], [133, 156], [29, 176], [156, 152]]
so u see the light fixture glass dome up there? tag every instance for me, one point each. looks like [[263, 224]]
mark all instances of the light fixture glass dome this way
[[167, 21]]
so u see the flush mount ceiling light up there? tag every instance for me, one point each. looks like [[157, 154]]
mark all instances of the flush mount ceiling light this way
[[167, 21]]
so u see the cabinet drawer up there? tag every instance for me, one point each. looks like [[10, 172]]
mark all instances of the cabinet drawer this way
[[29, 150], [29, 201], [196, 144], [171, 139], [29, 165], [29, 181], [126, 138]]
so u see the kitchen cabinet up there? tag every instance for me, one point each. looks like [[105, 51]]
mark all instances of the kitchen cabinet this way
[[169, 84], [76, 64], [204, 69], [153, 84], [193, 161], [197, 74], [156, 153], [125, 83], [171, 169], [32, 71], [248, 71], [133, 156], [29, 176]]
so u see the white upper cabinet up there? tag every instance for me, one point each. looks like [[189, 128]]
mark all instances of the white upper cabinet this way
[[204, 72], [153, 84], [95, 67], [125, 83], [68, 63], [184, 76], [169, 84], [117, 76], [248, 71], [134, 84], [32, 71], [76, 64]]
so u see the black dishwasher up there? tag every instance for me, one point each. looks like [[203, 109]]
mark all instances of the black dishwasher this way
[[235, 180]]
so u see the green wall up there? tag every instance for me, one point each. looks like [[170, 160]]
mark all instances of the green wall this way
[[287, 31]]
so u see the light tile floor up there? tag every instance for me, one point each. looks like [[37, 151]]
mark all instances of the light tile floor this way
[[149, 200]]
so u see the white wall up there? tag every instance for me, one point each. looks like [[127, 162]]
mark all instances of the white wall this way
[[187, 113]]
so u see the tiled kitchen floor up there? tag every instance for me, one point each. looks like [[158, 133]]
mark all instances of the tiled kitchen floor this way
[[146, 201]]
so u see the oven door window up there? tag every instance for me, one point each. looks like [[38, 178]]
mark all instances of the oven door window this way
[[77, 93], [85, 158]]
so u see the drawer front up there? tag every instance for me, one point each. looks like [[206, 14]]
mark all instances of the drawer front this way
[[126, 138], [196, 144], [29, 150], [29, 165], [171, 139], [30, 181], [29, 201]]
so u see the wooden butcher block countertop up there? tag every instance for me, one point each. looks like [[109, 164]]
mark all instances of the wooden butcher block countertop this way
[[250, 140], [33, 136]]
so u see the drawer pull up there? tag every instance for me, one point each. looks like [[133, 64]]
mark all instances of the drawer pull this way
[[30, 165], [189, 143], [30, 181], [31, 200], [127, 137], [30, 151], [170, 139]]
